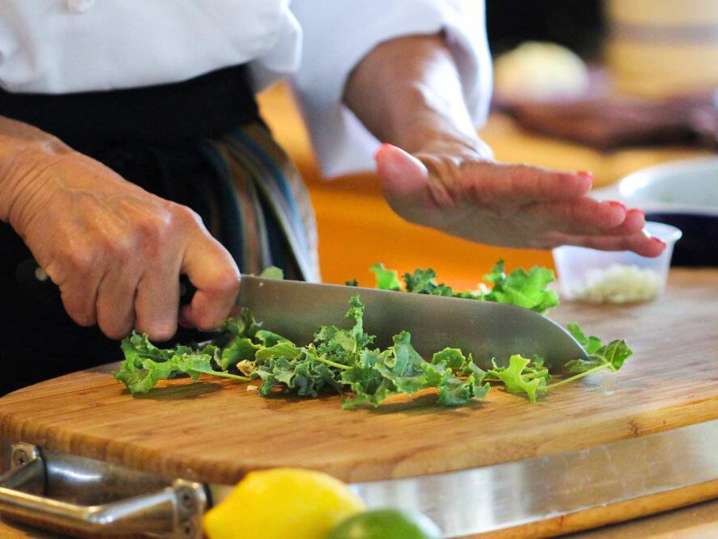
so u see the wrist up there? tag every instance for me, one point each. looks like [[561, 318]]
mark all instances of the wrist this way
[[438, 136], [23, 181], [426, 121], [23, 150]]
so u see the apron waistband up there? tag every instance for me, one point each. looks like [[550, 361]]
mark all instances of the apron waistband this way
[[175, 114]]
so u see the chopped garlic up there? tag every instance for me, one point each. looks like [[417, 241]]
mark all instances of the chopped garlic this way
[[618, 284]]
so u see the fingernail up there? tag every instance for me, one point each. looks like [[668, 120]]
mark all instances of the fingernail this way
[[658, 241], [616, 204], [585, 174], [382, 147]]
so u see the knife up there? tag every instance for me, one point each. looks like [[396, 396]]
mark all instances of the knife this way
[[487, 330]]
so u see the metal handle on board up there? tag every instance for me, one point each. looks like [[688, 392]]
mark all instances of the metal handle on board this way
[[173, 511]]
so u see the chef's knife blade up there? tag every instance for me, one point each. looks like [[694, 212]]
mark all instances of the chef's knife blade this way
[[296, 309], [488, 330]]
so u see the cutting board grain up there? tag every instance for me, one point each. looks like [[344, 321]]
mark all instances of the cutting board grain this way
[[216, 432]]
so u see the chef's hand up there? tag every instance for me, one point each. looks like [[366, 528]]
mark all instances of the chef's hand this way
[[115, 250], [408, 91], [458, 189]]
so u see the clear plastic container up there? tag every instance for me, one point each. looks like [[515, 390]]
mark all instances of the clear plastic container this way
[[615, 276]]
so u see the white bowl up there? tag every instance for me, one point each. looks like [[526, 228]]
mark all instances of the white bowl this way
[[689, 186], [615, 276], [683, 194]]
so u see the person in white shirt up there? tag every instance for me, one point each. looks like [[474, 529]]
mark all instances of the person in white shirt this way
[[104, 101]]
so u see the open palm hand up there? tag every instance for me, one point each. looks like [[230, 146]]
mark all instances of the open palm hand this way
[[460, 192]]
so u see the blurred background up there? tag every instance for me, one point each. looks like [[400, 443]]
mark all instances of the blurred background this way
[[580, 26], [609, 86]]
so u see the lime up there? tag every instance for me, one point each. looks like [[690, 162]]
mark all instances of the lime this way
[[282, 503], [386, 524]]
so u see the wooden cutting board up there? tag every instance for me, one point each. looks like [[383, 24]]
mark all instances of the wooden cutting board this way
[[216, 432]]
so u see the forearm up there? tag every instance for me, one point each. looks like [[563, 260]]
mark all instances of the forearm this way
[[408, 91], [22, 147]]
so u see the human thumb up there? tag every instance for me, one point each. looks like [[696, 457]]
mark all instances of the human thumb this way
[[402, 175]]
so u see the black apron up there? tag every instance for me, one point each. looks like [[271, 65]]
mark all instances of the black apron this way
[[200, 143]]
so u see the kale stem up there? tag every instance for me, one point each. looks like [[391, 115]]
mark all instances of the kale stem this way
[[332, 363], [227, 375], [528, 375], [578, 376]]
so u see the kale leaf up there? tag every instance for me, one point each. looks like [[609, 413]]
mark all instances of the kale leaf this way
[[344, 360], [523, 375], [386, 279], [527, 289], [524, 289], [601, 356], [145, 364], [339, 359]]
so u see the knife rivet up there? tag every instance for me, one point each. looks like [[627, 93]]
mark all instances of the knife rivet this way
[[187, 500], [20, 457], [41, 274]]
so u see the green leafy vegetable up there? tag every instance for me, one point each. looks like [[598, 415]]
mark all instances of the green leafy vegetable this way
[[386, 279], [366, 382], [423, 281], [523, 375], [451, 357], [601, 356], [239, 349], [272, 272], [145, 365], [527, 289], [456, 392], [344, 360]]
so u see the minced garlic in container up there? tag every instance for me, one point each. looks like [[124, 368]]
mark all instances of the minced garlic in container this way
[[618, 283]]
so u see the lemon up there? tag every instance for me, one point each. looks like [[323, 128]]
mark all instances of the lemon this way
[[282, 503]]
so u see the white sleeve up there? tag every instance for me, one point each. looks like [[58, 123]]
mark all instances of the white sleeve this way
[[339, 33]]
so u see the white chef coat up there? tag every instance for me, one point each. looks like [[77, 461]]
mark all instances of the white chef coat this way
[[65, 46]]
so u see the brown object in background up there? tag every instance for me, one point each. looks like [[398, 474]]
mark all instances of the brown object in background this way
[[607, 122], [661, 48]]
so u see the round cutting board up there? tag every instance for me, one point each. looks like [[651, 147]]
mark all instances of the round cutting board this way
[[216, 432]]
